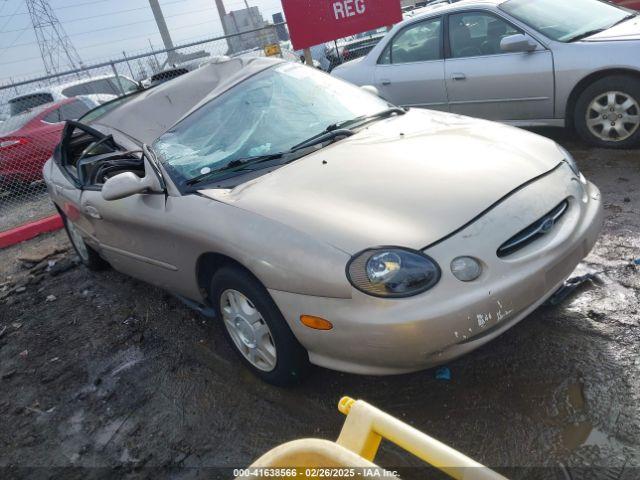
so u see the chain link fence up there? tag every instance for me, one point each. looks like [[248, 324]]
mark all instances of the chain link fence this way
[[33, 111]]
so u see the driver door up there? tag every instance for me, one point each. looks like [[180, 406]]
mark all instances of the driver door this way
[[484, 82], [132, 231]]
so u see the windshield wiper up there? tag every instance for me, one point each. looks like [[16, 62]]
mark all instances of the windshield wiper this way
[[622, 20], [600, 30], [326, 136], [331, 133], [235, 166], [582, 35], [367, 118], [338, 130]]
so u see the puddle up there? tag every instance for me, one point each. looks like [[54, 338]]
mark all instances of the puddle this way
[[583, 434], [575, 397]]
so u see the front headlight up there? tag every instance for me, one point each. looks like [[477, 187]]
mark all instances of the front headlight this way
[[568, 158], [392, 272]]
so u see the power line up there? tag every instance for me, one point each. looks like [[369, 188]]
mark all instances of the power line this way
[[144, 35], [120, 26], [67, 6], [12, 43], [76, 5], [10, 17], [117, 12]]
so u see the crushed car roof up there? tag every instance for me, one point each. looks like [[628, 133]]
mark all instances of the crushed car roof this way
[[151, 113]]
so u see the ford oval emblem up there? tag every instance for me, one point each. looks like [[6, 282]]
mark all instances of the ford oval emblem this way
[[547, 225]]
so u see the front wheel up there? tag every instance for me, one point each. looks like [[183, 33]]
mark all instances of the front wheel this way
[[608, 112], [257, 329], [88, 256]]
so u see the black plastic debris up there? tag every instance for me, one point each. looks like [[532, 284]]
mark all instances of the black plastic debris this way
[[574, 283], [568, 288]]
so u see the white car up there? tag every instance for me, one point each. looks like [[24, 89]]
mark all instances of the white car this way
[[103, 88]]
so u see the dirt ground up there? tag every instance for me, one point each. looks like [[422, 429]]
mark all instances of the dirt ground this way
[[119, 379], [23, 207]]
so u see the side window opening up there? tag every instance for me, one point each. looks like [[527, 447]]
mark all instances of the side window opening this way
[[53, 116], [127, 85], [27, 102], [419, 42], [100, 86], [91, 157], [73, 110], [385, 58], [477, 34]]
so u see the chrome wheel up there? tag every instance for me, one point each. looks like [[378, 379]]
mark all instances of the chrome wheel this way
[[248, 330], [613, 116], [78, 241]]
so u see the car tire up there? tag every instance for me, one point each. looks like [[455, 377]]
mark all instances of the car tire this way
[[603, 107], [256, 329], [87, 255]]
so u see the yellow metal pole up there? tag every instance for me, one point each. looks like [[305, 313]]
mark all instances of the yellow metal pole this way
[[366, 426]]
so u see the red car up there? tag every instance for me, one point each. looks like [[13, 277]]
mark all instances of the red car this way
[[27, 140], [634, 4]]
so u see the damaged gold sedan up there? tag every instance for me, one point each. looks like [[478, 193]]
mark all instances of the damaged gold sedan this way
[[321, 224]]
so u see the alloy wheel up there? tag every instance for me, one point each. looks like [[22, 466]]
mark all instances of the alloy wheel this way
[[78, 241], [613, 116], [248, 330]]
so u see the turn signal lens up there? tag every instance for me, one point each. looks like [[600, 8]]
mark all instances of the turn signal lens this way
[[316, 323]]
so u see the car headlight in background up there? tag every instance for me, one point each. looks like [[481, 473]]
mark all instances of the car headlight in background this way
[[466, 269], [392, 272]]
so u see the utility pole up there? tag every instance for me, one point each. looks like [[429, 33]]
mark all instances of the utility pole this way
[[222, 12], [164, 31]]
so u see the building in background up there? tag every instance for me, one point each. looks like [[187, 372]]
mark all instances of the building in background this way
[[246, 20], [281, 30]]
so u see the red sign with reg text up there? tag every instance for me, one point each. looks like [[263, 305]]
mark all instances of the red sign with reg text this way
[[312, 22]]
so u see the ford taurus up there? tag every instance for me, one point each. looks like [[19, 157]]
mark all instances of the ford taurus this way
[[322, 224]]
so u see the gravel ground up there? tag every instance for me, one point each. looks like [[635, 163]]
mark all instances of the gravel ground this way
[[104, 372], [23, 207]]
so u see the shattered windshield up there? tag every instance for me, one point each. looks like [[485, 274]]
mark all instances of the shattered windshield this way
[[267, 114]]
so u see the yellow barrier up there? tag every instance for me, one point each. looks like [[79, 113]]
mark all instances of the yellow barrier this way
[[366, 426], [357, 446]]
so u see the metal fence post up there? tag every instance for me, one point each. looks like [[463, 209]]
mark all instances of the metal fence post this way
[[115, 72], [124, 54]]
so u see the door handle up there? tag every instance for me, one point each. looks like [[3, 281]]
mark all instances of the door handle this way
[[92, 212], [385, 82], [458, 77]]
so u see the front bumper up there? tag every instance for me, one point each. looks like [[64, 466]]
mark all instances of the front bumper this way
[[391, 336]]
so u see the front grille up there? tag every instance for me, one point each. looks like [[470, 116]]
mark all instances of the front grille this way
[[534, 231]]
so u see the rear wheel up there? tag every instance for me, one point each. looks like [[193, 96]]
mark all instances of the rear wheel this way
[[608, 112], [88, 256], [256, 328]]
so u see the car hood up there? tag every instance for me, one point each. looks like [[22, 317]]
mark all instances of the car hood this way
[[629, 30], [406, 181]]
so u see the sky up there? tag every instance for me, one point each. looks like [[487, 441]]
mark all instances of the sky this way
[[101, 29]]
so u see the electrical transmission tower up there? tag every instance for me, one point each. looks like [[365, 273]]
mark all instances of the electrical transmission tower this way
[[56, 49]]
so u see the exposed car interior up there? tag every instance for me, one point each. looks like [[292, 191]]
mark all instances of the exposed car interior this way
[[92, 158]]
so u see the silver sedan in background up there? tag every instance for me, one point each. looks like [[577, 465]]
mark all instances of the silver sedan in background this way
[[573, 63]]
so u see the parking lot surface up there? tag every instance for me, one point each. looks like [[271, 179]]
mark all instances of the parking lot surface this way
[[100, 370]]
